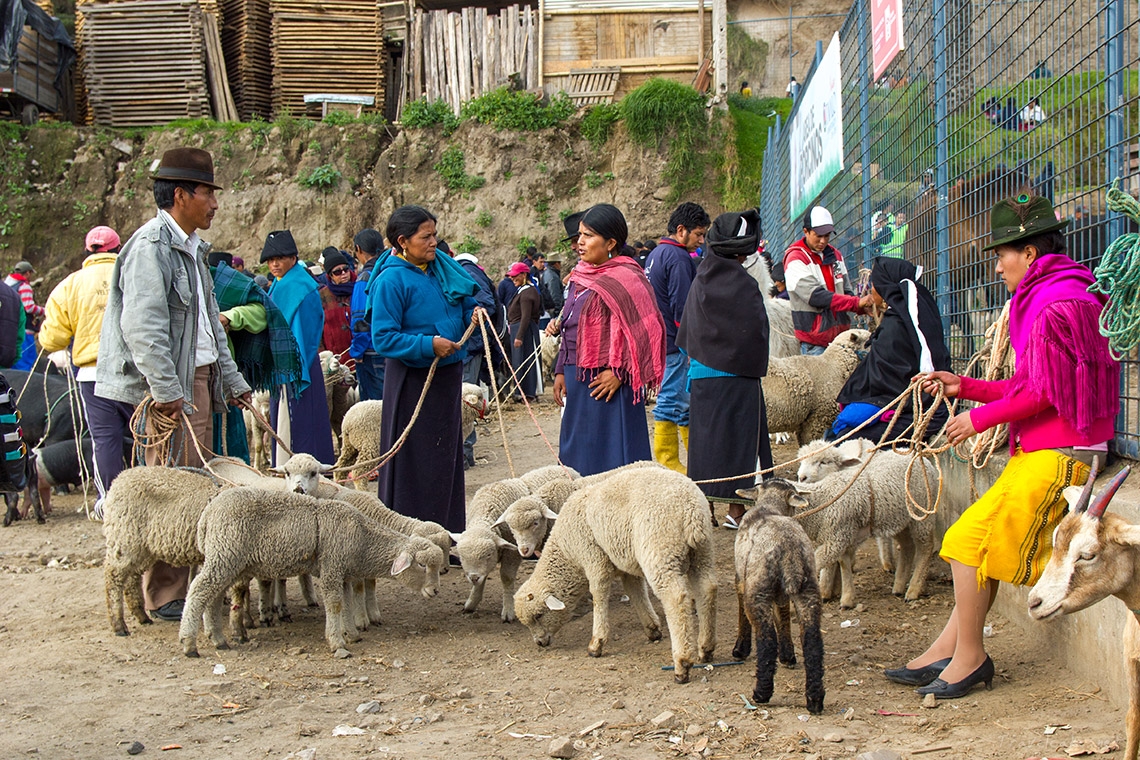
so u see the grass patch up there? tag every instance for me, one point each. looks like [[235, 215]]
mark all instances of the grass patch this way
[[744, 166], [422, 114], [324, 178], [521, 111], [598, 123], [452, 168], [663, 111]]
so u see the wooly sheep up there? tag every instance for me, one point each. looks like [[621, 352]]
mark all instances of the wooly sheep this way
[[873, 504], [150, 514], [259, 441], [339, 382], [249, 532], [360, 440], [800, 391], [474, 398], [645, 524], [782, 340], [775, 566], [548, 354]]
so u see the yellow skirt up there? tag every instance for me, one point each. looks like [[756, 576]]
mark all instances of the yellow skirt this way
[[1008, 533]]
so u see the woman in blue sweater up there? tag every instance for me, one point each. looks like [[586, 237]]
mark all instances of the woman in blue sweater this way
[[421, 302]]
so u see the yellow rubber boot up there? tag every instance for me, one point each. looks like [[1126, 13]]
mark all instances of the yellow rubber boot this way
[[665, 445], [684, 431]]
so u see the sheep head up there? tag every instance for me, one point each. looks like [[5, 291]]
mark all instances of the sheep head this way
[[303, 473], [774, 496], [1094, 556], [418, 565], [540, 610], [823, 459], [477, 549], [528, 519]]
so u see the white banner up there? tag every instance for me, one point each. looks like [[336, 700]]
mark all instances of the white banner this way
[[816, 142]]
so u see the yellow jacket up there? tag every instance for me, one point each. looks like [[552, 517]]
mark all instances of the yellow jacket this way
[[74, 310]]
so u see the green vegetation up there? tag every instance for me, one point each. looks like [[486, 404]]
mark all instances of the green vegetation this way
[[324, 178], [525, 243], [469, 244], [743, 167], [598, 123], [595, 180], [13, 177], [665, 111], [452, 167], [484, 219], [421, 113], [747, 57], [521, 111], [542, 208]]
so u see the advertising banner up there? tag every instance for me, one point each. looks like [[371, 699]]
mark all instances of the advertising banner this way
[[886, 34], [816, 139]]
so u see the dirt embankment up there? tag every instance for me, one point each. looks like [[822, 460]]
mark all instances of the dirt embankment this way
[[70, 179]]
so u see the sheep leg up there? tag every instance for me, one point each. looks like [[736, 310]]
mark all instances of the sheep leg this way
[[785, 646], [923, 556], [353, 606], [132, 591], [600, 581], [886, 553], [239, 602], [307, 592], [509, 561], [638, 594], [905, 564], [206, 587], [281, 601], [673, 590], [1132, 653], [113, 590], [332, 589], [13, 514], [702, 585], [475, 596], [759, 610], [743, 646], [827, 554], [265, 602], [215, 613], [811, 642], [359, 613], [829, 581], [371, 607]]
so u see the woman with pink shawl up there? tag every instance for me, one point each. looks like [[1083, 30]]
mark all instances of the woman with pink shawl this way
[[612, 352], [1060, 405]]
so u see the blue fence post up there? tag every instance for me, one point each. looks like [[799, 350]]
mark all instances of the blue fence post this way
[[865, 125], [941, 165]]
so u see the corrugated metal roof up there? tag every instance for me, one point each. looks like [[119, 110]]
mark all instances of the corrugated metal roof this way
[[555, 6]]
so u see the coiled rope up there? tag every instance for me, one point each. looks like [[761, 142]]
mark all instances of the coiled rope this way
[[1118, 277]]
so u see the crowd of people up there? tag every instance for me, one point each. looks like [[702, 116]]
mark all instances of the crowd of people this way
[[164, 321]]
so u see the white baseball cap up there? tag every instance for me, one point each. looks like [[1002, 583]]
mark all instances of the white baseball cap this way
[[819, 221]]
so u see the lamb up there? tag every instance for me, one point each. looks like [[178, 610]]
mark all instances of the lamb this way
[[1096, 555], [647, 524], [339, 381], [360, 440], [874, 504], [259, 440], [474, 399], [775, 565], [251, 532], [782, 340], [548, 354], [800, 391], [149, 514]]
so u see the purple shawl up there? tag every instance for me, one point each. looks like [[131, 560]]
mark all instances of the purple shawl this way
[[1060, 352]]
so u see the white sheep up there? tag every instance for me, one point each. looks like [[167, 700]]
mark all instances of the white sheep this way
[[800, 391], [360, 440], [874, 504], [1096, 555], [251, 532], [782, 340], [642, 525], [474, 400], [150, 514], [339, 380], [548, 353], [259, 441]]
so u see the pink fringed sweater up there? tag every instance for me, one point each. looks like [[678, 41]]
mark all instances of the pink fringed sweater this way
[[1066, 390]]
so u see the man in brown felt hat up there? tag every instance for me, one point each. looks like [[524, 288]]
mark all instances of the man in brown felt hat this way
[[161, 334]]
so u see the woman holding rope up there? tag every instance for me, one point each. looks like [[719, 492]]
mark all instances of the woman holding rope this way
[[421, 302], [612, 352], [1060, 405]]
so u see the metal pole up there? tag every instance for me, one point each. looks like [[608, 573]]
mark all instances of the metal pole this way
[[1113, 104], [865, 126], [790, 53], [941, 166]]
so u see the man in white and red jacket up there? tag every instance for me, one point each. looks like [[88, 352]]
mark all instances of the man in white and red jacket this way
[[18, 281], [818, 285]]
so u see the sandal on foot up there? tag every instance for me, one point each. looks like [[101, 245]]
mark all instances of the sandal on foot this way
[[731, 523]]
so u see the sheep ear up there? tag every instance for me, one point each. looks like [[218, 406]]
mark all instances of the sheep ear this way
[[455, 554], [503, 543], [1105, 496], [800, 489], [748, 493], [500, 521], [455, 536], [797, 501], [549, 513], [328, 467], [401, 563], [279, 469], [554, 603], [848, 461]]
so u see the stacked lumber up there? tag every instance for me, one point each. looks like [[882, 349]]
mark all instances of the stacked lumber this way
[[144, 61], [459, 56], [220, 95], [330, 46], [245, 42]]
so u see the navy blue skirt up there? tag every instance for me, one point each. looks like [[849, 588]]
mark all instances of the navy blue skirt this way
[[425, 478], [728, 432], [596, 435], [309, 428]]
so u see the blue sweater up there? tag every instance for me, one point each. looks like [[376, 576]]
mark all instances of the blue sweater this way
[[409, 309], [670, 270]]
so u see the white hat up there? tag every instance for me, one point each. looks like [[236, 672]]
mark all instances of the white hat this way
[[819, 221]]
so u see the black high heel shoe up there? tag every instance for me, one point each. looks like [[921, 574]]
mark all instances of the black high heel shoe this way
[[916, 676], [942, 690]]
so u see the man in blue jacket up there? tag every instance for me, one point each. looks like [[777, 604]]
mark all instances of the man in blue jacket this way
[[671, 268], [369, 365]]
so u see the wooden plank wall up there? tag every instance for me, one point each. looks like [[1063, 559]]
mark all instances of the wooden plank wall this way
[[455, 57], [132, 78], [334, 46], [35, 82]]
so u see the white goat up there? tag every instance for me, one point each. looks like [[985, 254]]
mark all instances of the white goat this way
[[1096, 555]]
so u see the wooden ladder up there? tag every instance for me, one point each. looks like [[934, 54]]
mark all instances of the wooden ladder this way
[[589, 87]]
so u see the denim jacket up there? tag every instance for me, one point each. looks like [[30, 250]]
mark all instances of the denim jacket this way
[[150, 328]]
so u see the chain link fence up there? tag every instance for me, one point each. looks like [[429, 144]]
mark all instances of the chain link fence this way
[[988, 100]]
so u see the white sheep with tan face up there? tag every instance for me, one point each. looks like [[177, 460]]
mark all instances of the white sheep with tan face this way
[[1096, 555]]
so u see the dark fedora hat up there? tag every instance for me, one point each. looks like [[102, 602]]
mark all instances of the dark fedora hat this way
[[187, 165], [571, 224], [278, 243], [1022, 217]]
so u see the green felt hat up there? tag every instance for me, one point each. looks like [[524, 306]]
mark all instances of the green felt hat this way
[[1022, 217]]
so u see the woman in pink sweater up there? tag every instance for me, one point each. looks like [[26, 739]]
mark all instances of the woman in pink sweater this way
[[1060, 405]]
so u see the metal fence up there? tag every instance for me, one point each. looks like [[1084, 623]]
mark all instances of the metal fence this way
[[942, 136]]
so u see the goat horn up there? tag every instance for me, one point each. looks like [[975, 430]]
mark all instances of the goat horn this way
[[1106, 494], [1083, 502]]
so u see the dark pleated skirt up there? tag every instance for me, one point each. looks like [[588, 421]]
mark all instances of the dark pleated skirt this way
[[597, 436], [309, 427], [523, 357], [425, 478], [728, 432]]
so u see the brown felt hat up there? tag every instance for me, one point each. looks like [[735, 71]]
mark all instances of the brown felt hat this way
[[187, 165]]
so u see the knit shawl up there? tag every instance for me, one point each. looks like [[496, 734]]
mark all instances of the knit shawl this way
[[620, 328], [1061, 354]]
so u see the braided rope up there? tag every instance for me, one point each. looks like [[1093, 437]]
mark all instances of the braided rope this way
[[1118, 277]]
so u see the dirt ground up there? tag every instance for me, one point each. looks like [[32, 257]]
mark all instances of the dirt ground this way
[[449, 685]]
